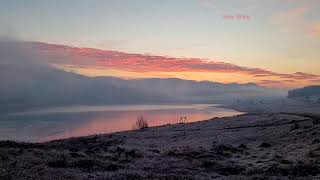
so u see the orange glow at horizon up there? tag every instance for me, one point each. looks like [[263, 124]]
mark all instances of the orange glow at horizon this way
[[219, 77]]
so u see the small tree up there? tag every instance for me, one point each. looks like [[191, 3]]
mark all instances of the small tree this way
[[141, 123]]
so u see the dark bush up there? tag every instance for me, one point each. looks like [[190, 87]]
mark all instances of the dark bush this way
[[265, 145], [141, 123]]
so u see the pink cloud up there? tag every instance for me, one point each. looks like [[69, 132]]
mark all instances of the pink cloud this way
[[314, 30], [87, 57], [295, 20], [290, 20]]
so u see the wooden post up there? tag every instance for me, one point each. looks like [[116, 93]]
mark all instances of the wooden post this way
[[183, 119]]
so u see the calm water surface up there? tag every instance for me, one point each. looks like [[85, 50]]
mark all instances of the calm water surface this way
[[64, 122]]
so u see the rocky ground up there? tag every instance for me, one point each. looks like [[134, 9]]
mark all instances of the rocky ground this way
[[252, 146]]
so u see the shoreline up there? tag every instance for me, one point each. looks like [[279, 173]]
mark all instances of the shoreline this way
[[205, 112], [250, 146]]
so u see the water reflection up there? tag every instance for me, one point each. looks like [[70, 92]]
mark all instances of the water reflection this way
[[53, 124]]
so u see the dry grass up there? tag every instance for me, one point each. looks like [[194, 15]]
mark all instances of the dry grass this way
[[141, 123]]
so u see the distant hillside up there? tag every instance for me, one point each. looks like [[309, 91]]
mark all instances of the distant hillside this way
[[27, 82], [195, 91], [25, 87], [305, 92], [36, 87]]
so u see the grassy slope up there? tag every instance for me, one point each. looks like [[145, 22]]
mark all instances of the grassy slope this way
[[256, 146]]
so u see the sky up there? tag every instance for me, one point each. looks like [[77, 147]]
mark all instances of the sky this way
[[273, 43]]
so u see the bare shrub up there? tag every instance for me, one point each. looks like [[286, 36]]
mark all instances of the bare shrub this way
[[141, 123]]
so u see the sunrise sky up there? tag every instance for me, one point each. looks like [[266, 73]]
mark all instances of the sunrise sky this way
[[273, 43]]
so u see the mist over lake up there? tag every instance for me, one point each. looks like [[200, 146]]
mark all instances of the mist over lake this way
[[74, 121]]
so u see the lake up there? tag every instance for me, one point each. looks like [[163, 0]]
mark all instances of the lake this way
[[65, 122]]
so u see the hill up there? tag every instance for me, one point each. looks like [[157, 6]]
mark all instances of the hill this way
[[305, 92]]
